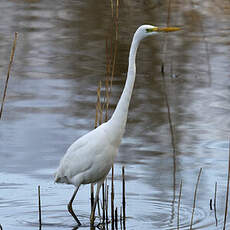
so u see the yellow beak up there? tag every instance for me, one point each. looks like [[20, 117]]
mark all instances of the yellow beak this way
[[166, 29]]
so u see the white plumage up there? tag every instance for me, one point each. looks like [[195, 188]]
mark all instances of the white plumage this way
[[89, 159]]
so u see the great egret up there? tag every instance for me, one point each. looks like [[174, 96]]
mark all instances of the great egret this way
[[90, 158]]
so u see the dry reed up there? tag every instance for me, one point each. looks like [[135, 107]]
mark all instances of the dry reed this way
[[8, 73], [107, 204], [116, 219], [92, 195], [102, 109], [103, 203], [194, 199], [178, 208], [111, 54], [215, 204], [39, 208], [227, 191], [99, 112], [123, 195], [112, 197]]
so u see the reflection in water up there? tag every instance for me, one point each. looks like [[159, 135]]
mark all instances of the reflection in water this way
[[172, 139], [60, 58]]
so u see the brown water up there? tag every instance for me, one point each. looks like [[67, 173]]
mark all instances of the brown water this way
[[60, 58]]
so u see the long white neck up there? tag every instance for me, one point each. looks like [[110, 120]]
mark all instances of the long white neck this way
[[120, 114]]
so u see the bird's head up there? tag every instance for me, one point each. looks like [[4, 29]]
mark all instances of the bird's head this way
[[149, 30]]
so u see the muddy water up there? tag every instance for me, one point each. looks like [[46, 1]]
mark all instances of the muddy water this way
[[60, 58]]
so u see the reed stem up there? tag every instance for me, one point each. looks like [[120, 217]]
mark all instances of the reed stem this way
[[227, 192], [8, 72], [112, 197], [39, 208], [116, 219], [194, 200], [215, 203], [123, 195], [103, 203], [178, 208], [107, 203]]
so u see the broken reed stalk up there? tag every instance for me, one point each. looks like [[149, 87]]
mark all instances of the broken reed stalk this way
[[8, 73], [227, 190], [123, 195], [210, 204], [39, 208], [194, 199], [178, 208], [112, 197], [215, 203]]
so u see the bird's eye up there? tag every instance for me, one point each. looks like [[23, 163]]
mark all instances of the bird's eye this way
[[149, 30]]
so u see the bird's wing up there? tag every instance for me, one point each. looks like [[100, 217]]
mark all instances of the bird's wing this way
[[81, 155]]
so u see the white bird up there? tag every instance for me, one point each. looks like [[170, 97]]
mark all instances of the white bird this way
[[90, 158]]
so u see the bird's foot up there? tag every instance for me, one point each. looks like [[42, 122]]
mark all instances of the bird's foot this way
[[70, 209]]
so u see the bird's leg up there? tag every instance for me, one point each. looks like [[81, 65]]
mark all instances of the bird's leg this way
[[70, 208], [92, 216]]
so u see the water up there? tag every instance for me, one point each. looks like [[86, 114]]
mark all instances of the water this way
[[60, 58]]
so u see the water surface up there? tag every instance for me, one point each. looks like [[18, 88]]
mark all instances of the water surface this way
[[61, 57]]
